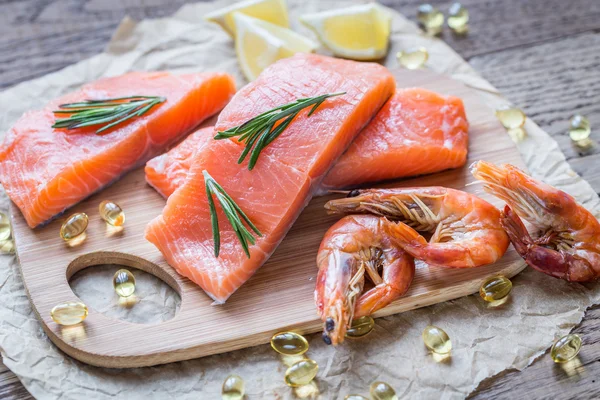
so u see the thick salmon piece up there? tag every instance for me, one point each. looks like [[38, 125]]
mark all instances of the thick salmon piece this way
[[46, 170], [274, 193], [417, 132], [168, 171]]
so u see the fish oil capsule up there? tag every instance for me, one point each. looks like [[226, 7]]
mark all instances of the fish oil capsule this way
[[69, 313], [458, 18], [124, 283], [289, 343], [74, 226], [233, 388], [566, 348], [413, 59], [301, 373], [579, 128], [495, 288], [511, 117], [112, 213], [7, 246], [430, 18], [382, 391], [355, 397], [517, 134], [5, 228], [360, 327], [585, 144], [437, 340]]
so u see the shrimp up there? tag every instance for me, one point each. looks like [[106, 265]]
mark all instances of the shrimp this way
[[466, 230], [355, 248], [567, 245]]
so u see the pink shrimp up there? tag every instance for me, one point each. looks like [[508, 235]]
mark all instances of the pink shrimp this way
[[567, 245], [355, 248], [466, 230]]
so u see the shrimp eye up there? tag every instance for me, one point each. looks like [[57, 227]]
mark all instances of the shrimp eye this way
[[353, 193], [326, 338], [329, 324]]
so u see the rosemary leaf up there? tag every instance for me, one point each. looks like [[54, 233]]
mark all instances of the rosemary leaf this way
[[258, 132], [106, 112], [232, 211]]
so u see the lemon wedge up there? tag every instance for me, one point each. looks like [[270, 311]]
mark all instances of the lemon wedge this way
[[359, 32], [273, 11], [258, 44]]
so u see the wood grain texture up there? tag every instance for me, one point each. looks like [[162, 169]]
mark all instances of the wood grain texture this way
[[40, 36], [33, 31], [278, 297]]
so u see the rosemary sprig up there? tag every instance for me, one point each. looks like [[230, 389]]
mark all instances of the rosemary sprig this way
[[258, 132], [107, 111], [233, 212]]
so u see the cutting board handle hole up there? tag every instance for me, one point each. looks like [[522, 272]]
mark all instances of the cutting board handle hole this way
[[156, 298]]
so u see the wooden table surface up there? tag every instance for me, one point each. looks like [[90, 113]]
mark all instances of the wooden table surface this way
[[543, 55]]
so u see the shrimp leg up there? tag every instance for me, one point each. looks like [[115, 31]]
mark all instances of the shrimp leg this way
[[357, 248], [396, 279], [556, 263]]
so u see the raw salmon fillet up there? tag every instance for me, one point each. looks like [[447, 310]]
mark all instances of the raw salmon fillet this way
[[417, 132], [274, 193], [168, 171], [46, 170]]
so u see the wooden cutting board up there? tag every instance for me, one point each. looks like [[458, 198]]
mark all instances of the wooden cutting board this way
[[280, 295]]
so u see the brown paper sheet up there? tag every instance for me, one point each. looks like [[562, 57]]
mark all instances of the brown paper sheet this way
[[485, 341]]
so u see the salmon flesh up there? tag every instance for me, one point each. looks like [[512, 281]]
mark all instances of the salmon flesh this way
[[416, 132], [287, 173], [46, 170]]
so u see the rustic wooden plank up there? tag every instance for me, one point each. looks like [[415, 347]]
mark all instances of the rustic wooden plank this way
[[551, 82], [544, 379], [40, 36], [10, 386]]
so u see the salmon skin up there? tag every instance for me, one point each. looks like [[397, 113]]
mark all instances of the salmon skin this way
[[46, 170], [287, 172], [416, 132]]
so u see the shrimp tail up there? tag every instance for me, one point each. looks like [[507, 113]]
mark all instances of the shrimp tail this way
[[407, 238], [556, 263]]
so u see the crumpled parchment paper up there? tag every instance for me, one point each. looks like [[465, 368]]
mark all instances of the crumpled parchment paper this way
[[485, 340]]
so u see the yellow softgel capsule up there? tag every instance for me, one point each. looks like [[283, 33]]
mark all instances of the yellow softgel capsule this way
[[437, 340], [360, 327], [382, 391], [124, 282], [585, 144], [355, 397], [511, 117], [458, 18], [233, 388], [5, 228], [430, 18], [566, 348], [579, 128], [7, 246], [112, 213], [495, 288], [413, 59], [289, 343], [517, 134], [69, 313], [74, 226], [301, 373]]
